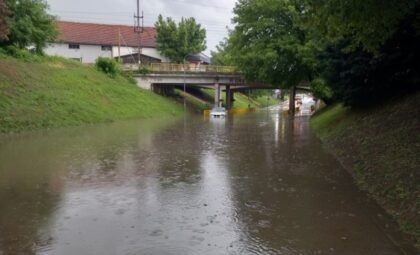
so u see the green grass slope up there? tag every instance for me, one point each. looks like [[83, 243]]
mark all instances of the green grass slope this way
[[196, 103], [243, 101], [52, 92], [381, 148]]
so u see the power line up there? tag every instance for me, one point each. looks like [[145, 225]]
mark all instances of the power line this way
[[185, 2], [221, 30], [211, 25], [149, 16]]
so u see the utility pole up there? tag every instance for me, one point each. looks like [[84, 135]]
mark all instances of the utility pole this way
[[138, 27], [119, 45]]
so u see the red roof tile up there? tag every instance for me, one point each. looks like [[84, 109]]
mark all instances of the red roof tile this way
[[102, 34]]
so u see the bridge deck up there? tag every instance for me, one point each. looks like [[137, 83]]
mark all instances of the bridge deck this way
[[184, 68], [195, 75]]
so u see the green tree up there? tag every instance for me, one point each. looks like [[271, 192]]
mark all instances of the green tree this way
[[175, 41], [30, 24], [368, 23], [360, 78], [322, 91], [4, 29], [268, 43], [359, 52], [221, 56]]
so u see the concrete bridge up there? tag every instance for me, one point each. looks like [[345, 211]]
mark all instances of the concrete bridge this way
[[162, 78]]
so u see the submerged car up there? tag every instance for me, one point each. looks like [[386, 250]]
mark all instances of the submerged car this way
[[218, 112]]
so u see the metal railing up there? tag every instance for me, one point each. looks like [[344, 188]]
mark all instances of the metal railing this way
[[190, 68]]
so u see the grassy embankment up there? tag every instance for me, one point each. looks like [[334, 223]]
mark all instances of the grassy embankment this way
[[206, 100], [199, 104], [380, 147], [49, 92], [196, 103], [243, 101]]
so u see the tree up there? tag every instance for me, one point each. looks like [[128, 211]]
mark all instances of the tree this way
[[268, 43], [4, 12], [367, 23], [30, 24], [360, 78], [359, 52], [221, 56], [176, 41]]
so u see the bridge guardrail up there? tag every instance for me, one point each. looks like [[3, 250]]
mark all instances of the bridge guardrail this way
[[191, 68], [181, 68]]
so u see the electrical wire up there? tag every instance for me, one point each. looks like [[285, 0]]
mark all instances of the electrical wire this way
[[148, 17]]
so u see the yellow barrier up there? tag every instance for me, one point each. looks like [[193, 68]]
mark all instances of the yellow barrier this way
[[241, 110], [235, 111]]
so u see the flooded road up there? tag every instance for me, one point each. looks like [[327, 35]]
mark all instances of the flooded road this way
[[251, 184]]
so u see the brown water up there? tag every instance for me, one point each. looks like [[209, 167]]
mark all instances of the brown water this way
[[252, 184]]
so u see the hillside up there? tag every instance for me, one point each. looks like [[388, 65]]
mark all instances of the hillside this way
[[380, 147], [47, 92], [243, 101]]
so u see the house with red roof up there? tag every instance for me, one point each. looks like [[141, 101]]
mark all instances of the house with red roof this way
[[86, 42]]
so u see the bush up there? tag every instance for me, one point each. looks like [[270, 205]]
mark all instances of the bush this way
[[322, 91], [22, 54], [129, 76], [144, 70], [255, 94], [108, 66]]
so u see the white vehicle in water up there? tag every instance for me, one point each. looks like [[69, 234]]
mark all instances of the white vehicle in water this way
[[218, 112]]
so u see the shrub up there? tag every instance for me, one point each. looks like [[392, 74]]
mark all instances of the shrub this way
[[108, 66], [129, 76], [22, 54], [322, 91], [144, 70]]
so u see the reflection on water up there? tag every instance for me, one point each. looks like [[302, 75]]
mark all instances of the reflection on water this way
[[254, 184]]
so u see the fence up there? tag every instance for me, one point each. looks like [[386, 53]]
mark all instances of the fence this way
[[190, 68]]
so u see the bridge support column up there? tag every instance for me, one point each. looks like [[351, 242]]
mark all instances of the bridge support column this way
[[229, 98], [217, 95]]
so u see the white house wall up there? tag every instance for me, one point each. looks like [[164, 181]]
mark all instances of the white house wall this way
[[87, 53]]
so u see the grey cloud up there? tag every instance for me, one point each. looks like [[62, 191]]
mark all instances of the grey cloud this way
[[214, 15]]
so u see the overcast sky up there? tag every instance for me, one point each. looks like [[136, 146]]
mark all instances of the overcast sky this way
[[214, 15]]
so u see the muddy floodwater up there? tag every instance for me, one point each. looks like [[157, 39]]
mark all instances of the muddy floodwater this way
[[250, 184]]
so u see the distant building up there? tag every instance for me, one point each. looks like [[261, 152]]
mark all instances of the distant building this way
[[199, 58], [134, 58], [86, 42]]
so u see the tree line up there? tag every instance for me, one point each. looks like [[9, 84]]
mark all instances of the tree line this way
[[26, 23], [358, 52]]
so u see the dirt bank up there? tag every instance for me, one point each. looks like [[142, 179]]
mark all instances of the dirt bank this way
[[381, 149]]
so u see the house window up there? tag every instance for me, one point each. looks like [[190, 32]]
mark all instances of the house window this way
[[106, 48], [74, 46]]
